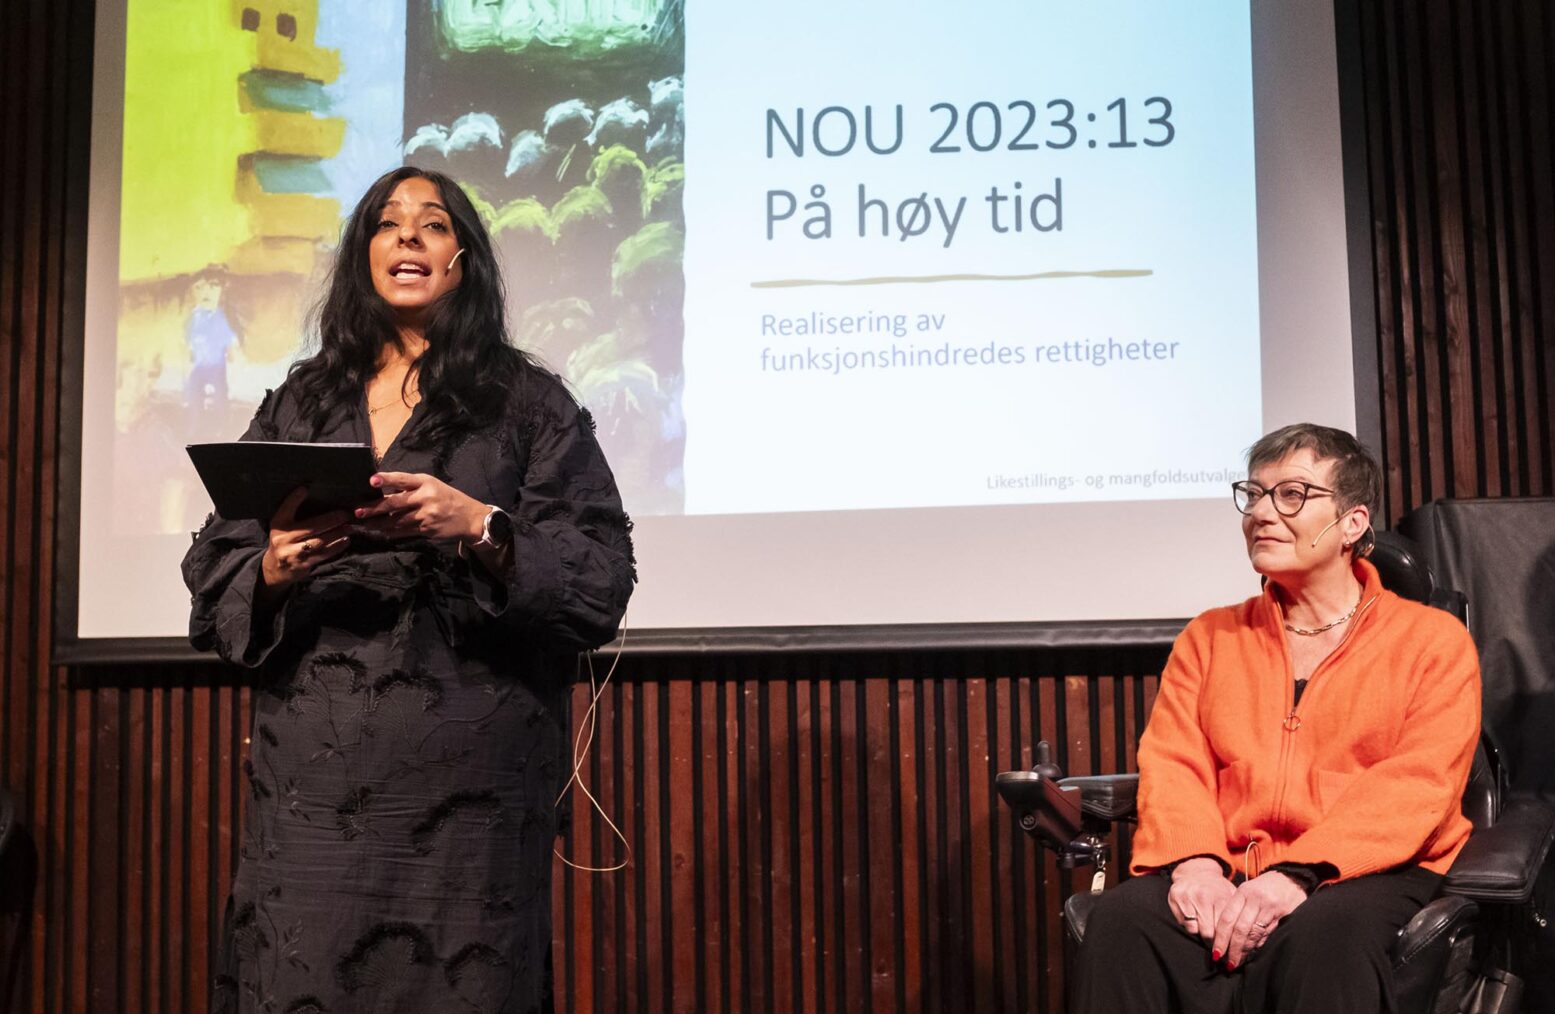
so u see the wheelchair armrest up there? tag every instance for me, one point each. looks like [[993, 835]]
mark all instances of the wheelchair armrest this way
[[1046, 810], [1108, 797], [1435, 949], [1500, 863]]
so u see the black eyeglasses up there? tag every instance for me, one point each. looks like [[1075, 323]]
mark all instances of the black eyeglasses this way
[[1288, 496]]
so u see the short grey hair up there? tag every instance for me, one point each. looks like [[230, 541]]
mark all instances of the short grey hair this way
[[1357, 478]]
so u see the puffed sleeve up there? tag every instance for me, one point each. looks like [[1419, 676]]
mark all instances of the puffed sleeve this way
[[572, 568], [222, 572], [1179, 816]]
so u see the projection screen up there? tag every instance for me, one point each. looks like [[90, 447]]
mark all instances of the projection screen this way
[[893, 317]]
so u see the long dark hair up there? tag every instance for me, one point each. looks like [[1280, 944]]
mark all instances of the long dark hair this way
[[468, 367]]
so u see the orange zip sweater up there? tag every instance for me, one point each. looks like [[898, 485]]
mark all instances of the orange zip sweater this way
[[1367, 774]]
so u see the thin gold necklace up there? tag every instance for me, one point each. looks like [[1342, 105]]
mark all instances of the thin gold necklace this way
[[403, 398], [1304, 632]]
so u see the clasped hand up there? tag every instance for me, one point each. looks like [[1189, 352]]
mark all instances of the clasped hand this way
[[417, 504], [1233, 920], [414, 504]]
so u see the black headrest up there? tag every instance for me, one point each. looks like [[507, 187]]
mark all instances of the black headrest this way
[[1402, 567]]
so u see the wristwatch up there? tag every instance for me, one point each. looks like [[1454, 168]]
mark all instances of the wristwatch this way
[[496, 529]]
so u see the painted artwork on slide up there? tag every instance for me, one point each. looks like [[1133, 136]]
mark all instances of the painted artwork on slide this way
[[251, 127]]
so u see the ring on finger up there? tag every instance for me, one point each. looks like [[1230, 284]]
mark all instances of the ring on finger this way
[[306, 549]]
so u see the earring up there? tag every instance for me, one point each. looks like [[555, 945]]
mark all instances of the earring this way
[[1346, 544]]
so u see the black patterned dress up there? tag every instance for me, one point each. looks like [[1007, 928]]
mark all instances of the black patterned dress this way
[[409, 735]]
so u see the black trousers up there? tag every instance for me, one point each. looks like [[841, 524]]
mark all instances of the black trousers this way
[[1329, 956]]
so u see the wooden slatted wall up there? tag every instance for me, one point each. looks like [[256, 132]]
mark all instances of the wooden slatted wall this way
[[823, 834], [1460, 110], [809, 832]]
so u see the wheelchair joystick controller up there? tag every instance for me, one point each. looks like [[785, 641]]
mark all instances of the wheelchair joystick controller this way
[[1047, 810], [1052, 813], [1045, 766]]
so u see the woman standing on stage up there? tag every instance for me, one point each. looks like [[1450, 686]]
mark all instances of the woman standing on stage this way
[[414, 655]]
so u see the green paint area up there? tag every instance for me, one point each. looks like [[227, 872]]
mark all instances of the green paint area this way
[[291, 93], [657, 249], [290, 174], [580, 26]]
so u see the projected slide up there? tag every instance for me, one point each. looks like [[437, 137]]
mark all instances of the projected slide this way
[[935, 255], [856, 293], [951, 254]]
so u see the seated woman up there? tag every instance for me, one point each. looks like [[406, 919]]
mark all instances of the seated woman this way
[[1302, 771]]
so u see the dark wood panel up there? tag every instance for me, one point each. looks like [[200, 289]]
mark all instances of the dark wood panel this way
[[811, 832], [838, 847], [1460, 102]]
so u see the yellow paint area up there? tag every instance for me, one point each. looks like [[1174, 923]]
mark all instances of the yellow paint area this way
[[294, 133], [276, 51], [185, 204], [182, 135], [288, 230]]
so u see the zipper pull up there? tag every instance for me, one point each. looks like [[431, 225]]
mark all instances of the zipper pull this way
[[1252, 860], [1292, 721]]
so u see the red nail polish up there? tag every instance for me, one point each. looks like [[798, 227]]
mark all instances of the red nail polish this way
[[1231, 966], [1214, 955]]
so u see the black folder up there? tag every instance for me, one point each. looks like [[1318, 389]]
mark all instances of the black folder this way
[[249, 478]]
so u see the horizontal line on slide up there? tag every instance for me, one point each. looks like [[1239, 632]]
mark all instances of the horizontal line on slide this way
[[795, 283]]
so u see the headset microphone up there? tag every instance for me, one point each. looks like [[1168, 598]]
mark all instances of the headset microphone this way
[[1324, 532], [455, 260]]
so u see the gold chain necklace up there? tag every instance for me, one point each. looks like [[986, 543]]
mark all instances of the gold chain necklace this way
[[371, 410], [1304, 632]]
